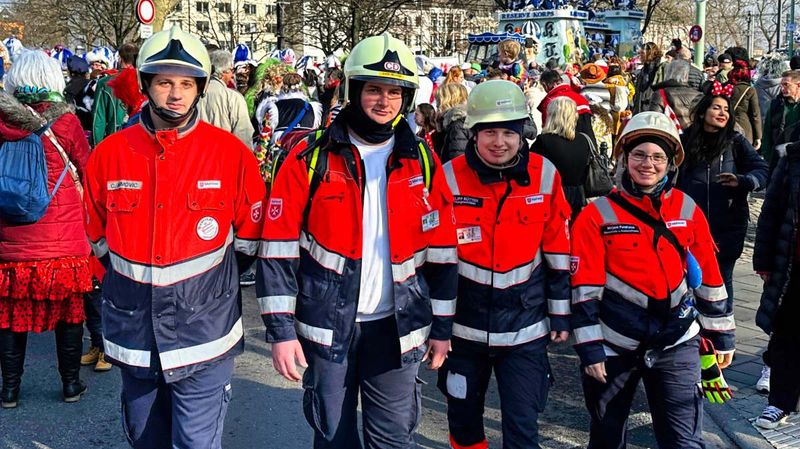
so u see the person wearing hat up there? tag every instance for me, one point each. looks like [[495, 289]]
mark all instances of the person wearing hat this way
[[636, 314], [513, 255], [725, 65], [357, 268], [175, 208], [593, 77]]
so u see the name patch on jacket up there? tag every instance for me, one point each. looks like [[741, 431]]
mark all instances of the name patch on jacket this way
[[209, 184], [676, 224], [124, 184], [415, 181], [471, 201], [534, 199], [615, 229]]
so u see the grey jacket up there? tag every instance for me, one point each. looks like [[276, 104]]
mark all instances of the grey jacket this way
[[767, 89], [225, 108]]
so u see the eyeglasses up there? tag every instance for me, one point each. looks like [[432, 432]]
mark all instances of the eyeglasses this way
[[657, 158]]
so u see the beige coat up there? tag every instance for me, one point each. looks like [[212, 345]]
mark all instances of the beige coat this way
[[225, 108]]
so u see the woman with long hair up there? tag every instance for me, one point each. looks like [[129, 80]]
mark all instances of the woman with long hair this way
[[651, 73], [745, 108], [567, 149], [425, 118], [720, 170], [451, 101], [44, 266]]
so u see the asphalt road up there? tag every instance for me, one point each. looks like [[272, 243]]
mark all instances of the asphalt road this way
[[266, 410]]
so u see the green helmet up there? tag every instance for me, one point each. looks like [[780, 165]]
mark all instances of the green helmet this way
[[174, 52], [495, 101], [651, 123], [383, 59]]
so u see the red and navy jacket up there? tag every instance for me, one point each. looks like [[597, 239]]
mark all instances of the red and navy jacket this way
[[513, 250], [630, 293], [167, 210], [309, 271]]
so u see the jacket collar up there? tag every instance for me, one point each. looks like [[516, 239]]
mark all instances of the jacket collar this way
[[405, 142], [489, 175]]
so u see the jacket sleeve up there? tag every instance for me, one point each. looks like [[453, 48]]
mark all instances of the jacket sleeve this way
[[715, 313], [755, 116], [103, 105], [753, 169], [94, 196], [556, 248], [441, 266], [249, 209], [242, 126], [587, 265], [766, 138], [279, 254], [771, 219]]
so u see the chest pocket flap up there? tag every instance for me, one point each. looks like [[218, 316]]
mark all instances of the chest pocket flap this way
[[207, 199], [123, 200]]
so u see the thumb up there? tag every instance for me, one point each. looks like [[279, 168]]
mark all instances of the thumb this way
[[301, 357]]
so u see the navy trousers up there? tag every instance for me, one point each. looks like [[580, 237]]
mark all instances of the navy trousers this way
[[672, 393], [92, 302], [523, 380], [391, 396], [187, 414]]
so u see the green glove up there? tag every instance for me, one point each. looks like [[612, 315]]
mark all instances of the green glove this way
[[713, 384]]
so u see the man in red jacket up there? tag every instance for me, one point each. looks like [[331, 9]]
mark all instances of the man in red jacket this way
[[554, 85]]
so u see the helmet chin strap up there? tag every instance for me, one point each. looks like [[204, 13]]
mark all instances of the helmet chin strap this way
[[171, 117]]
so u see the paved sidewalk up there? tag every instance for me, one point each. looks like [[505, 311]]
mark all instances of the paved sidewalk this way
[[736, 417]]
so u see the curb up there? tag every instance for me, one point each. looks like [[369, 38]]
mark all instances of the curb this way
[[737, 428]]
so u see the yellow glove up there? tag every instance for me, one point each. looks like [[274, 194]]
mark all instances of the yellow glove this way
[[712, 382]]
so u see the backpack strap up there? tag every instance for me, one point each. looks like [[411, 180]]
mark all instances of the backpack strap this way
[[294, 123], [659, 227], [425, 164]]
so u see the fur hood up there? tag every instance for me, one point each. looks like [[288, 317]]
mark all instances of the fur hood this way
[[17, 121], [454, 114]]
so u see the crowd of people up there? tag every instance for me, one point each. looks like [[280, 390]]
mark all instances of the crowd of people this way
[[390, 212]]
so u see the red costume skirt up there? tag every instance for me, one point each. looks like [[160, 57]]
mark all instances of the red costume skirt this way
[[35, 296]]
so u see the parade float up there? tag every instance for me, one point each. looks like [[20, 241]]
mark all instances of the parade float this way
[[567, 32]]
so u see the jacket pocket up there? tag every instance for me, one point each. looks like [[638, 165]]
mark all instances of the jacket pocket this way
[[207, 199], [121, 201]]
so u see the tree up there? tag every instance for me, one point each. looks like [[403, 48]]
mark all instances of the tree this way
[[229, 22]]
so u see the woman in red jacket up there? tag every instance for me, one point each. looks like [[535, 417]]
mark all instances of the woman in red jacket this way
[[44, 266]]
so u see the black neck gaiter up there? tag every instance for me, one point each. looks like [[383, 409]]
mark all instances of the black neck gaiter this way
[[365, 128]]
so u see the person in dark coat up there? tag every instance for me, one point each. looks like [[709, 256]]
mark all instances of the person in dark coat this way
[[453, 136], [675, 88], [720, 170], [78, 79], [652, 72], [567, 148], [776, 259]]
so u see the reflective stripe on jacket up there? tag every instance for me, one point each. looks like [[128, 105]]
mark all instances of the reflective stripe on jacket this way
[[309, 273], [630, 294], [513, 254], [167, 211]]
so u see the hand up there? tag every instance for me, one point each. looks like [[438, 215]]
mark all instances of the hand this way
[[437, 351], [724, 360], [757, 144], [728, 179], [286, 355], [597, 372], [559, 336]]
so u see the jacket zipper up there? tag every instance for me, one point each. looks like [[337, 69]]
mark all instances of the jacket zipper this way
[[500, 204]]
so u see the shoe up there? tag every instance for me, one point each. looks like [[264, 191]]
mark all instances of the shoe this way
[[763, 382], [771, 418], [69, 342], [247, 279], [102, 365], [12, 361], [91, 357], [74, 391]]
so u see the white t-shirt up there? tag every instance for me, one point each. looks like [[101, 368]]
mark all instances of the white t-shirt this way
[[376, 296]]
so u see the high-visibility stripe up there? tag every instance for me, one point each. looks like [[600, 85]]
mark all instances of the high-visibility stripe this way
[[279, 249], [499, 280], [312, 166], [722, 323], [414, 339], [318, 335], [450, 177], [677, 295], [617, 339], [443, 307], [629, 293], [524, 335], [244, 246], [687, 207], [711, 293], [586, 293], [557, 261], [441, 255], [327, 259], [277, 304], [99, 248], [606, 210], [130, 357], [172, 274], [588, 334], [558, 306], [548, 177], [177, 358]]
